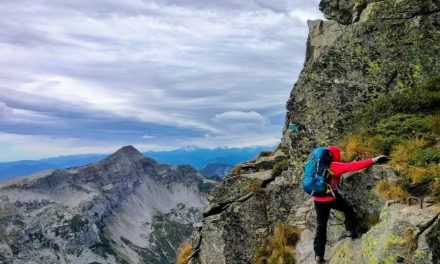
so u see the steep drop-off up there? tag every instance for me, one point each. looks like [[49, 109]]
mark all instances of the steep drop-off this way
[[368, 49]]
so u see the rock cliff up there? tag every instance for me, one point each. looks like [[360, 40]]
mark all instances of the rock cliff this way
[[366, 49], [124, 209]]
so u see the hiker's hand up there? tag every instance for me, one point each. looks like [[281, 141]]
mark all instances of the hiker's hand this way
[[382, 159]]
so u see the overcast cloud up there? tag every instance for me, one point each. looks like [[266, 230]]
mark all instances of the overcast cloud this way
[[90, 76]]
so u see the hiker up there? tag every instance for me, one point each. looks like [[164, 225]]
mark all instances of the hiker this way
[[334, 200]]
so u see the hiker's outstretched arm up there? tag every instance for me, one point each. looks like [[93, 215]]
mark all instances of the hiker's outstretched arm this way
[[341, 168]]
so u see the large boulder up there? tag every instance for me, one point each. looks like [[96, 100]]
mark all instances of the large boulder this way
[[396, 238], [232, 235], [401, 236], [243, 210]]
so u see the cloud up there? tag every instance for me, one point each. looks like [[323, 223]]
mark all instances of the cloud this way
[[5, 111], [147, 137], [18, 146], [110, 72], [240, 118], [38, 146]]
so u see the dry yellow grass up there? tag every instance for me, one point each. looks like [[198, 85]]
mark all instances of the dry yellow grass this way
[[236, 170], [184, 252], [417, 174], [434, 123], [358, 147], [404, 151], [390, 191], [281, 248], [401, 155]]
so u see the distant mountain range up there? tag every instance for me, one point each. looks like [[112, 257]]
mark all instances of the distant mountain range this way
[[218, 170], [126, 208], [27, 167], [199, 157], [196, 157]]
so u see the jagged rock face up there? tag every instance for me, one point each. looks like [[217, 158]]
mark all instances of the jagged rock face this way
[[351, 11], [368, 48], [394, 44], [400, 237], [123, 209], [242, 210], [340, 10]]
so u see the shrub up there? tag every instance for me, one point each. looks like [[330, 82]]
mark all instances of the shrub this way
[[280, 249], [422, 99], [402, 126], [279, 167], [183, 253]]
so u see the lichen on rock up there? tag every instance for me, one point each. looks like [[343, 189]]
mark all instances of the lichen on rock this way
[[367, 49]]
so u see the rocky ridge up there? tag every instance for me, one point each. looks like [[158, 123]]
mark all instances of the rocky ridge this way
[[124, 209], [367, 49]]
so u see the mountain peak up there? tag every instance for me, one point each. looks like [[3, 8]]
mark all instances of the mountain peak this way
[[128, 150], [126, 155]]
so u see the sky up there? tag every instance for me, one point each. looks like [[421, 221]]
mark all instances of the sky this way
[[85, 76]]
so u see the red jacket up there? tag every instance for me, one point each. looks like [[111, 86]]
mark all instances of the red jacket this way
[[339, 168]]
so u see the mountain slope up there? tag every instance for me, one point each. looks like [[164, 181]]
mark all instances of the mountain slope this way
[[119, 210], [368, 49]]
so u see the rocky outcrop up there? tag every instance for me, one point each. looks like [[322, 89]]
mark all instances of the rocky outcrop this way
[[368, 48], [123, 209], [399, 237], [393, 45], [242, 211]]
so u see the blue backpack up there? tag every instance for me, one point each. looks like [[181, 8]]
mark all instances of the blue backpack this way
[[317, 176]]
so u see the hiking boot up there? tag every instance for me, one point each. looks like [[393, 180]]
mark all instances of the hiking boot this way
[[319, 260]]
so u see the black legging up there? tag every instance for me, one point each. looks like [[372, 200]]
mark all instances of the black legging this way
[[322, 215]]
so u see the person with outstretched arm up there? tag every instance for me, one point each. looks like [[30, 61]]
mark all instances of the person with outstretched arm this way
[[324, 204]]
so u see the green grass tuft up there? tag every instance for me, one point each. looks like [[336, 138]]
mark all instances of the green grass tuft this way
[[406, 126]]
